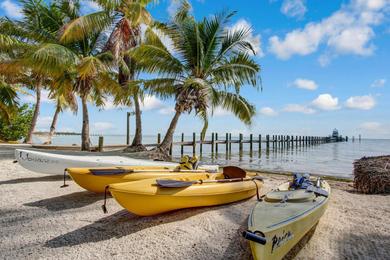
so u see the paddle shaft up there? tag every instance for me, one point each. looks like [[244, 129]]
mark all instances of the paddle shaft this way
[[223, 180]]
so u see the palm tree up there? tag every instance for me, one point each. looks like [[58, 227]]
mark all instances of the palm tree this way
[[80, 64], [65, 99], [206, 67], [124, 18], [38, 29]]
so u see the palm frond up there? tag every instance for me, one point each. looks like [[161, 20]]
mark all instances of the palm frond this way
[[234, 103], [84, 26]]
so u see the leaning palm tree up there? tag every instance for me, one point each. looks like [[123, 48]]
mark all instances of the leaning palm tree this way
[[65, 99], [123, 19], [206, 67]]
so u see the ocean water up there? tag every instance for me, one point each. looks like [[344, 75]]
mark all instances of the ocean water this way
[[334, 159]]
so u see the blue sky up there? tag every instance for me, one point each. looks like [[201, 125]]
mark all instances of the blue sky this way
[[325, 64]]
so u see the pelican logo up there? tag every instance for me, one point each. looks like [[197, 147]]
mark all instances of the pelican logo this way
[[278, 241]]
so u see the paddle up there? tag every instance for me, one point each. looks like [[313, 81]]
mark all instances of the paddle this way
[[118, 171], [318, 191], [184, 184]]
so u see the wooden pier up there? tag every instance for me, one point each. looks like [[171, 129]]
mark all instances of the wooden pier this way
[[223, 143]]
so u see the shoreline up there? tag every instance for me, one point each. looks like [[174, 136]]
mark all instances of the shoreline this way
[[40, 220]]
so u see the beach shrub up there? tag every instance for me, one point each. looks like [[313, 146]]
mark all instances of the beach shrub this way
[[18, 126], [372, 175]]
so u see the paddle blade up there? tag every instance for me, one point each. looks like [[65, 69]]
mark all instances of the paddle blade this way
[[233, 172], [318, 191], [173, 183], [109, 171]]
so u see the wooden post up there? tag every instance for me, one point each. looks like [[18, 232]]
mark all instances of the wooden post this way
[[212, 142], [216, 143], [182, 146], [101, 141], [227, 143], [240, 143], [193, 144], [259, 143], [251, 143], [158, 138], [267, 141], [200, 145], [171, 149], [292, 141], [128, 129], [230, 143], [273, 141]]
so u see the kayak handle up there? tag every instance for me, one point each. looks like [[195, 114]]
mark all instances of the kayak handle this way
[[254, 237]]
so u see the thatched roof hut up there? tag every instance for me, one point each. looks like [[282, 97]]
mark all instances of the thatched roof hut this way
[[372, 174]]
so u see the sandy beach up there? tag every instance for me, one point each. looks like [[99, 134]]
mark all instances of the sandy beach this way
[[38, 220]]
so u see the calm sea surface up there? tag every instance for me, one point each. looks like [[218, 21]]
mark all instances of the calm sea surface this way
[[333, 159]]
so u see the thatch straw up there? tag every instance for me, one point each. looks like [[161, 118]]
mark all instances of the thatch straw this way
[[372, 175]]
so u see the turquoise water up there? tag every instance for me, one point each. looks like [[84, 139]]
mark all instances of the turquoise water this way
[[335, 159]]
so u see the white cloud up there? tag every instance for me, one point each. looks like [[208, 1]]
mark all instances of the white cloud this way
[[296, 108], [172, 7], [371, 126], [89, 7], [102, 126], [44, 123], [347, 31], [11, 9], [32, 98], [268, 111], [361, 102], [305, 84], [219, 111], [378, 83], [109, 104], [151, 102], [294, 8], [326, 102], [166, 111], [255, 40]]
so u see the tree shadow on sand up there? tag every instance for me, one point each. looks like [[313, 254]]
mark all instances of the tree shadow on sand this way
[[33, 179], [358, 244], [69, 201], [118, 225]]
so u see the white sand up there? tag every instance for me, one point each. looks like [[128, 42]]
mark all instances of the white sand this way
[[40, 220]]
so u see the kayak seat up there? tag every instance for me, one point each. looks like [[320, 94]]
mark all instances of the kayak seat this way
[[289, 195]]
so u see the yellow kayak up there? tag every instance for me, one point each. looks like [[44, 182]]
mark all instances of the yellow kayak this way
[[278, 223], [96, 179], [146, 198]]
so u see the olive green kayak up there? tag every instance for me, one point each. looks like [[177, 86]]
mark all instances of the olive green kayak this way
[[281, 220]]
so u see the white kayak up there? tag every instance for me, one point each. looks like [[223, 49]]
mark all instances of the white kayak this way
[[55, 163]]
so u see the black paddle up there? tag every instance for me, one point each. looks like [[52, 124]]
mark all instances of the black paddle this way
[[110, 171], [317, 191], [231, 173]]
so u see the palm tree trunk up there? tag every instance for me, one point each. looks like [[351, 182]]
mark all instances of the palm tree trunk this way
[[53, 124], [137, 141], [34, 120], [168, 139], [85, 142]]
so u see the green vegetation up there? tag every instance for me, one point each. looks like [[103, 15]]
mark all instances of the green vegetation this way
[[99, 55], [18, 126]]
